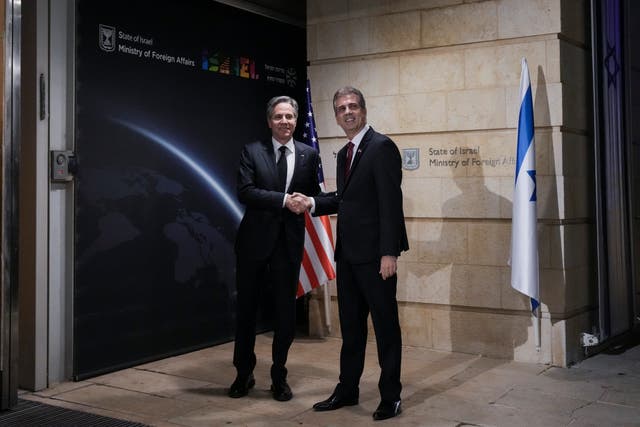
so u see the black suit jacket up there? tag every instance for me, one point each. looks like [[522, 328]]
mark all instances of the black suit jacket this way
[[368, 203], [259, 191]]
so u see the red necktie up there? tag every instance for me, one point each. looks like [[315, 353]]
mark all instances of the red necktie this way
[[347, 166]]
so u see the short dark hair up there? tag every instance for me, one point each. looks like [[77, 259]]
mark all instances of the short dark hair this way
[[271, 105], [348, 90]]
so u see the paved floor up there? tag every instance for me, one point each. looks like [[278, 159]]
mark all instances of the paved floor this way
[[440, 389]]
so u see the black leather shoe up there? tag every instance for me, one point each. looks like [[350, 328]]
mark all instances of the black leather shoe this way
[[281, 391], [241, 386], [387, 410], [335, 401]]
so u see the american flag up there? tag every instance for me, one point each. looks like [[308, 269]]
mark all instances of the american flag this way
[[317, 260]]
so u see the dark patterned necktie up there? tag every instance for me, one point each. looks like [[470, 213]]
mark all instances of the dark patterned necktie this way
[[282, 168], [347, 166]]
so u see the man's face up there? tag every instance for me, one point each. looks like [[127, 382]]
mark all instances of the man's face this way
[[282, 122], [349, 115]]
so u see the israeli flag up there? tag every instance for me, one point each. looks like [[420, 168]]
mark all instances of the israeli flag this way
[[524, 237]]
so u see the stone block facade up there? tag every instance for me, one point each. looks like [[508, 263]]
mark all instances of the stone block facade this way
[[443, 76]]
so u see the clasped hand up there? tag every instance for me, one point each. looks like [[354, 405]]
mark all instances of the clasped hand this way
[[298, 203]]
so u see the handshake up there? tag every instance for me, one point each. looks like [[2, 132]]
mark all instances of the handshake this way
[[298, 203]]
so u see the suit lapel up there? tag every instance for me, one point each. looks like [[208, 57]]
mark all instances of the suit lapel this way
[[299, 163], [340, 166], [357, 155], [269, 160]]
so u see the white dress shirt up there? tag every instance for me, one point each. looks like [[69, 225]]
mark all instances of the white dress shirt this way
[[291, 162]]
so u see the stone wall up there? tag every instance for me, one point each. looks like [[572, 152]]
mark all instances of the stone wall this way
[[443, 76]]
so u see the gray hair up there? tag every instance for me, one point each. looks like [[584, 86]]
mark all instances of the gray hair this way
[[348, 90], [271, 105]]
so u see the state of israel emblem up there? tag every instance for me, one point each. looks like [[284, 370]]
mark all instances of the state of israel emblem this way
[[410, 158], [107, 37], [291, 77]]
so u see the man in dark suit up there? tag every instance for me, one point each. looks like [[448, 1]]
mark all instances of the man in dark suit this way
[[371, 235], [270, 241]]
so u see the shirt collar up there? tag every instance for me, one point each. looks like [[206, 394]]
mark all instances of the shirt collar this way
[[356, 139], [277, 145]]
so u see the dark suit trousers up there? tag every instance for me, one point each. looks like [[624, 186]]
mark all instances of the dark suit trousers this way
[[251, 278], [361, 291]]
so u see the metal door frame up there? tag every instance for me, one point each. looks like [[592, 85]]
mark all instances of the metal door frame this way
[[9, 208]]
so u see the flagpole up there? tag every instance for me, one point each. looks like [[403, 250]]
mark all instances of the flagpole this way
[[535, 316], [327, 308]]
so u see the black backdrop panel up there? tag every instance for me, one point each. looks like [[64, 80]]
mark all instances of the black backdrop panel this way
[[166, 95]]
